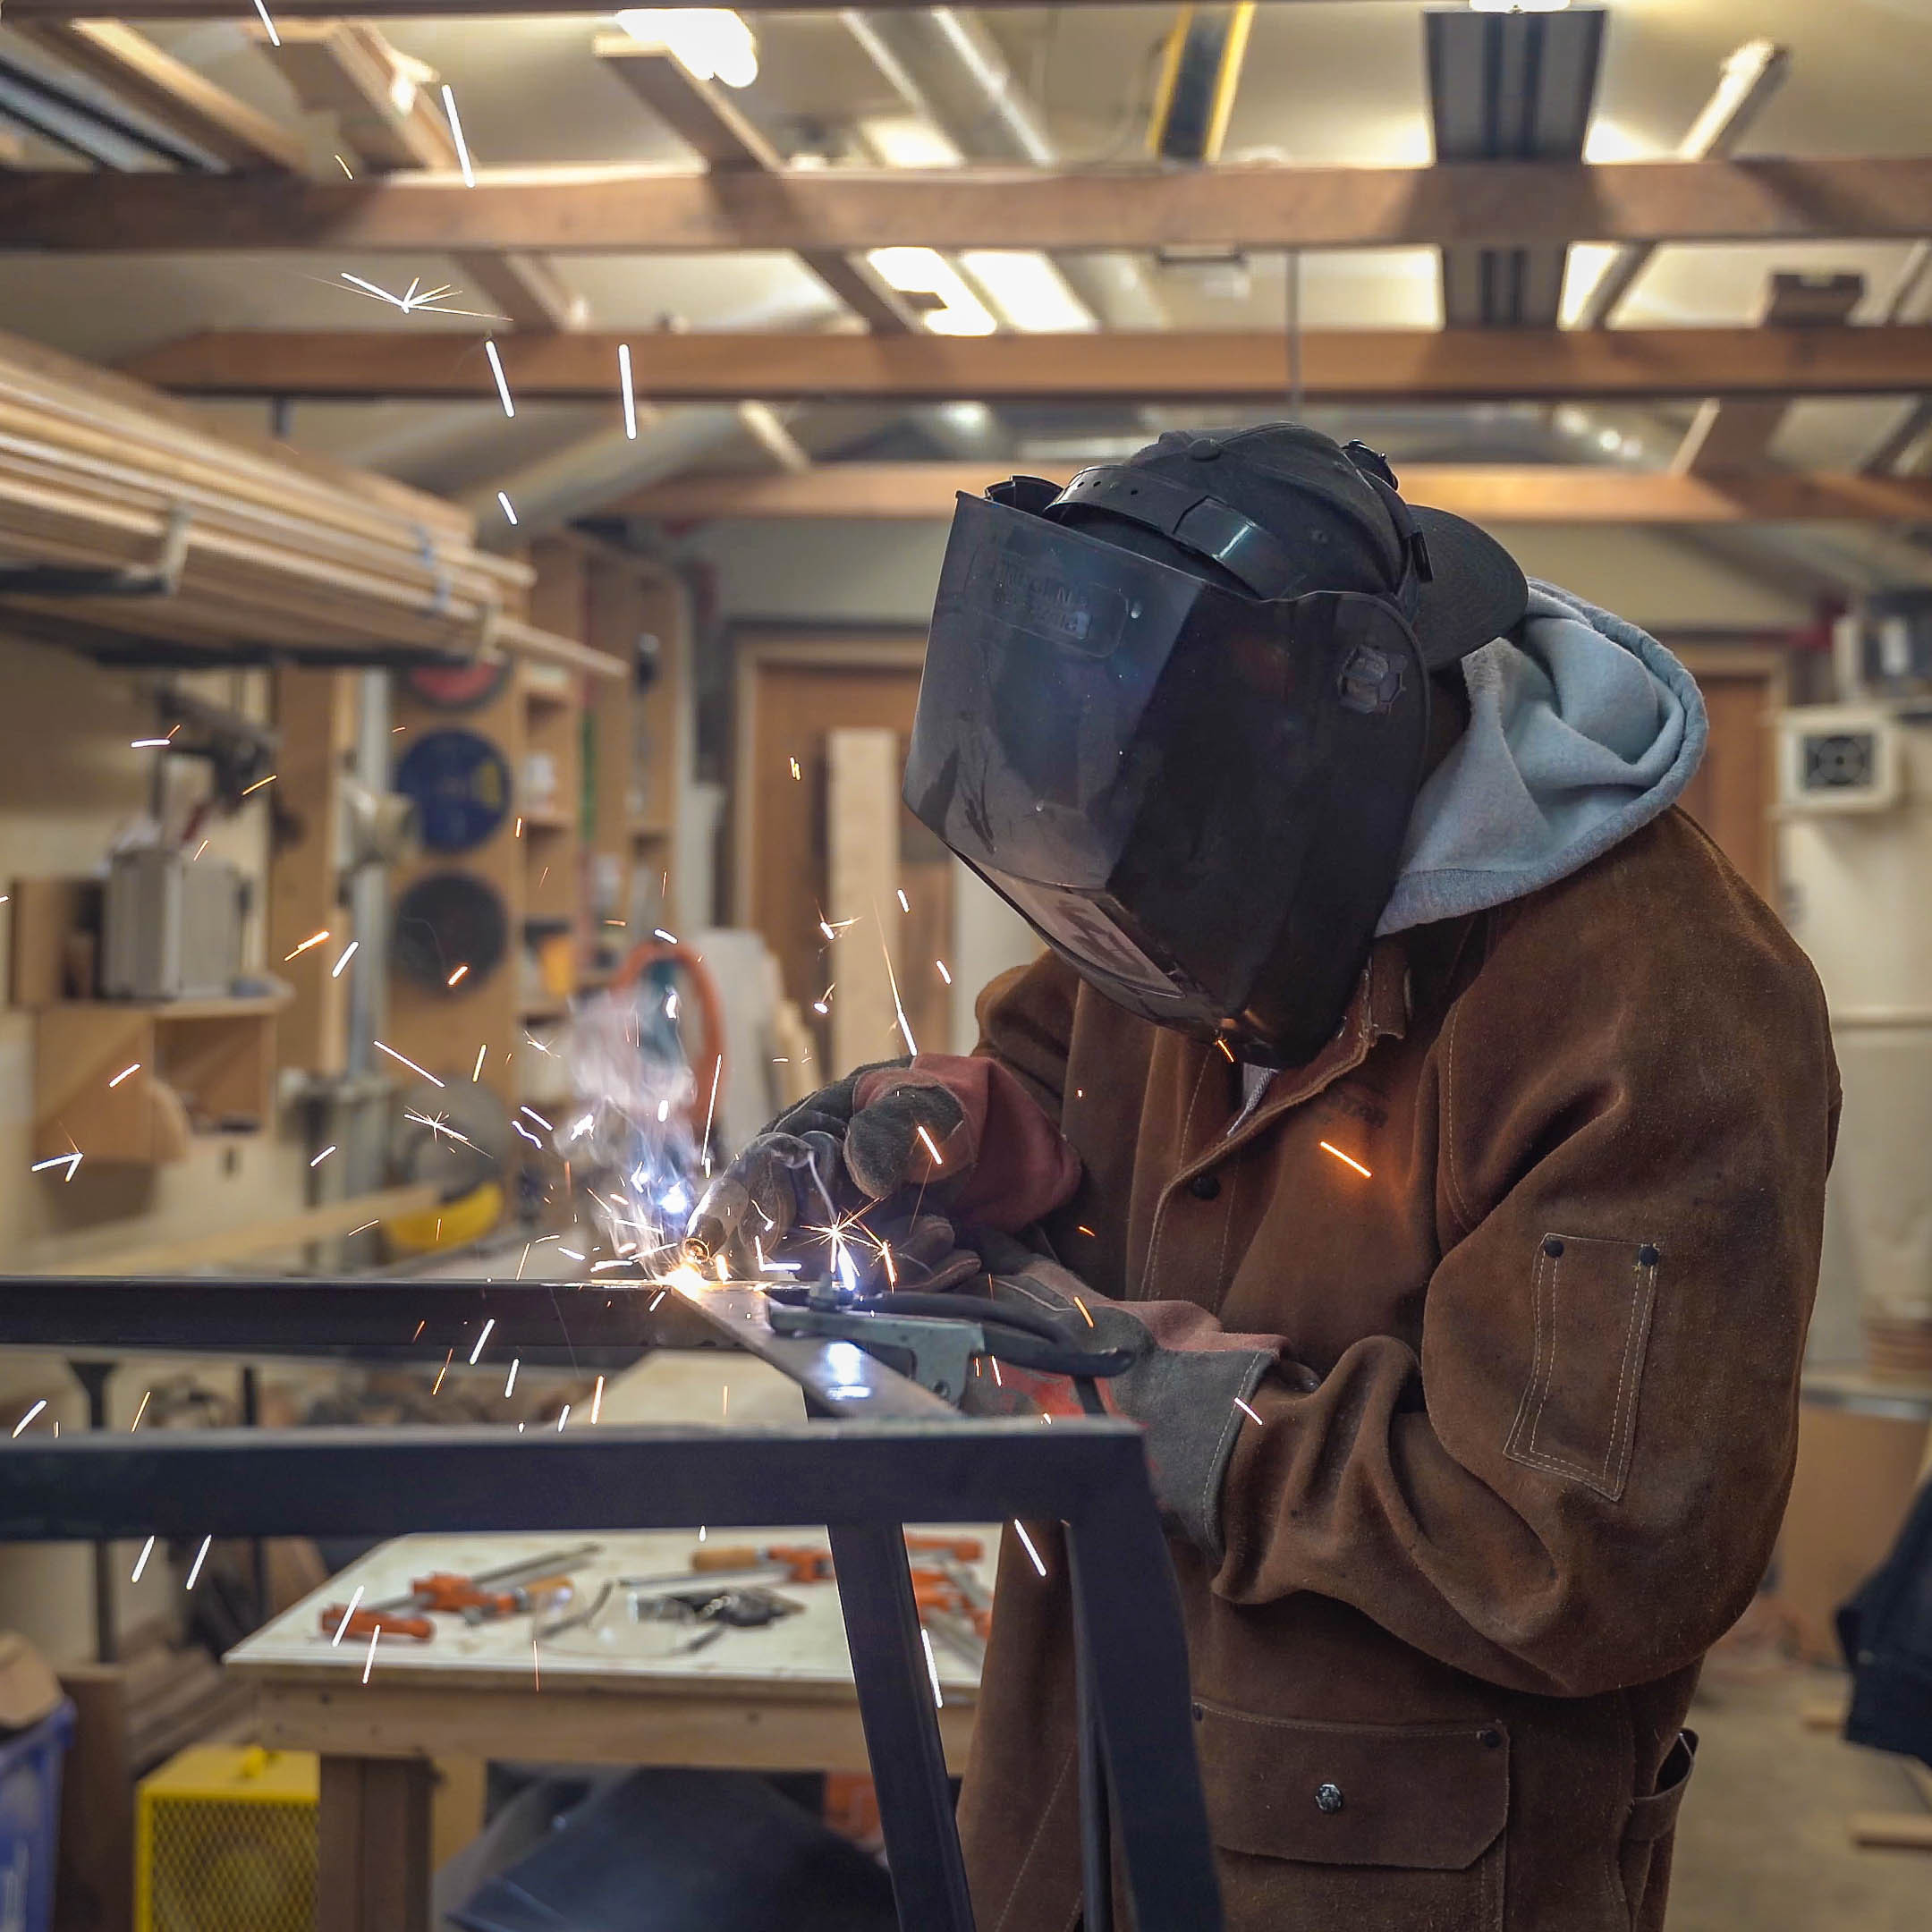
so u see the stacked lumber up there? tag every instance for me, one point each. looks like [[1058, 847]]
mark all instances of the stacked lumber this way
[[268, 548]]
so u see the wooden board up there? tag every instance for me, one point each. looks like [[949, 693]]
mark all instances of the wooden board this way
[[1485, 493], [862, 870], [1337, 365], [642, 209], [314, 714]]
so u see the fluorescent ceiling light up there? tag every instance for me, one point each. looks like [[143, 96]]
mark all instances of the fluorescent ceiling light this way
[[709, 43], [1518, 6], [939, 292], [1027, 289], [906, 141]]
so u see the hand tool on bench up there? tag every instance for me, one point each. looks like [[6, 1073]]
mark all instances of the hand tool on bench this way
[[537, 1581]]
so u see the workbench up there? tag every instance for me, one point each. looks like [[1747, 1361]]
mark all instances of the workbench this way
[[780, 1697]]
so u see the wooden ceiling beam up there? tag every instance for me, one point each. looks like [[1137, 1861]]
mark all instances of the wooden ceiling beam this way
[[642, 210], [135, 70], [438, 9], [1486, 494], [382, 106], [1736, 432], [1354, 366], [702, 115]]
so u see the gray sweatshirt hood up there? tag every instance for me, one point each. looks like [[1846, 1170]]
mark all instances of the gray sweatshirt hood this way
[[1581, 729]]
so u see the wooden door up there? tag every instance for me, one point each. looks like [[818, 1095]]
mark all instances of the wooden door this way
[[1733, 791], [791, 695]]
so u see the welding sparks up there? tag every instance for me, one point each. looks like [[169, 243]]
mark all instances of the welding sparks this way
[[508, 508], [932, 1669], [347, 953], [898, 1009], [932, 1146], [652, 1309], [68, 1161], [344, 166], [571, 1252], [458, 977], [146, 744], [481, 1339], [141, 1561], [502, 387], [435, 1386], [626, 390], [1020, 1529], [146, 1397], [314, 939], [1246, 1410], [528, 1135], [596, 1402], [439, 1124], [346, 1616], [944, 974], [562, 1418], [1081, 1306], [407, 1062], [456, 134], [905, 904], [369, 1662], [796, 773], [538, 1117], [324, 1155], [1329, 1148], [536, 1669], [274, 39], [29, 1416], [194, 1574], [668, 938], [258, 783], [516, 1363], [364, 1229], [123, 1073]]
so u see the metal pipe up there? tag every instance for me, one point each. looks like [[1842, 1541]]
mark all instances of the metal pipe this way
[[949, 70], [368, 885]]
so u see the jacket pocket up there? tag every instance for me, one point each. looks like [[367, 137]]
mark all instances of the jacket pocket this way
[[1592, 1302], [1371, 1826], [1643, 1856]]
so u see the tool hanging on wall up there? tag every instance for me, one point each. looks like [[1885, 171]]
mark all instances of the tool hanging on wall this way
[[458, 687], [449, 919], [461, 787]]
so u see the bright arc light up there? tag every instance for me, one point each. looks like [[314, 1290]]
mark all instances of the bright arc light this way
[[948, 307], [709, 43]]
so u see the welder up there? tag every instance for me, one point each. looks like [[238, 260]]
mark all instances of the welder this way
[[1432, 1115]]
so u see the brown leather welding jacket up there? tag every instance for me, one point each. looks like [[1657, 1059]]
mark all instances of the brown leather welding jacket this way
[[1528, 1450]]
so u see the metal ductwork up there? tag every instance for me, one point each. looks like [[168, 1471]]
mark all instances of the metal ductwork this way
[[948, 69], [594, 473], [1510, 87]]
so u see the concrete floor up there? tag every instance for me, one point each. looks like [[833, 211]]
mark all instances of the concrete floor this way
[[1762, 1841]]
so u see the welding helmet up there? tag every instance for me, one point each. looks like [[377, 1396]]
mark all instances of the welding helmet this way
[[1176, 715]]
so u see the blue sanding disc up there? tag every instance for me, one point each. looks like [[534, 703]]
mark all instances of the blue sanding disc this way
[[461, 784]]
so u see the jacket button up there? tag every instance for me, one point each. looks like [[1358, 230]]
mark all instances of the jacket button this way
[[1489, 1739], [1204, 1186], [1646, 1256], [1328, 1798], [1552, 1246]]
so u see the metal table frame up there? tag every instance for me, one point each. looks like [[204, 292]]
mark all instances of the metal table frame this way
[[884, 1453]]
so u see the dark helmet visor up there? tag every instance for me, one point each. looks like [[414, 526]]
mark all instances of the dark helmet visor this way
[[1193, 795]]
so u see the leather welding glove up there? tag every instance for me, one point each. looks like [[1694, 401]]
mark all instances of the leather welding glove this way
[[1185, 1388], [958, 1132]]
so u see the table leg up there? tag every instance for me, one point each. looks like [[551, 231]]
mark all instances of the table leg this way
[[374, 1873]]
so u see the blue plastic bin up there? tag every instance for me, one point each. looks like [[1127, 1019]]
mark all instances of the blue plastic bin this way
[[30, 1820]]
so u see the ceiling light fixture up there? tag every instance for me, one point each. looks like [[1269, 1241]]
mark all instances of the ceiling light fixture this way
[[1518, 6], [709, 43], [937, 289], [1028, 290]]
